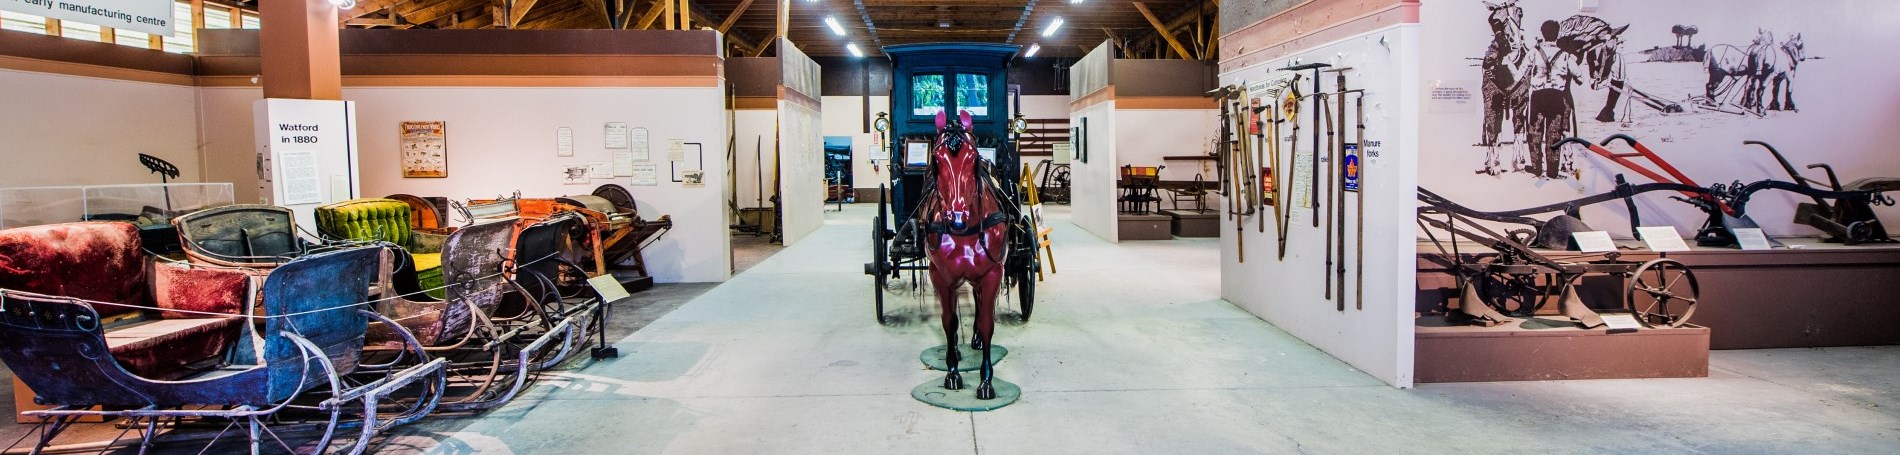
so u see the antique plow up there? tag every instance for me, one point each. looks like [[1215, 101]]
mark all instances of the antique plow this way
[[1519, 280]]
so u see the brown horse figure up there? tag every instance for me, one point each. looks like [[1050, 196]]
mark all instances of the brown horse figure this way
[[968, 219]]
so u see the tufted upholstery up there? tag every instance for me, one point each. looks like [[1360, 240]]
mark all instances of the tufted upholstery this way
[[386, 220], [103, 261]]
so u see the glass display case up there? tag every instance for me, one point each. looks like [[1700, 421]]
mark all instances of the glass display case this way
[[150, 206]]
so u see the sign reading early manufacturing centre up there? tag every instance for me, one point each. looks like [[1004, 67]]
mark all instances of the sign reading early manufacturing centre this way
[[149, 16]]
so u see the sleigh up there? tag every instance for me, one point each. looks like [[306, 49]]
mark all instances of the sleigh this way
[[96, 331], [615, 231]]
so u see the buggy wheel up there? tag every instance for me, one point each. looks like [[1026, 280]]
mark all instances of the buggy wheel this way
[[1661, 293], [1026, 291]]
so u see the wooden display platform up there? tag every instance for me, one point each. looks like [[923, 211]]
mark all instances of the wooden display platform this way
[[1145, 227], [1189, 223], [1812, 295], [1551, 348]]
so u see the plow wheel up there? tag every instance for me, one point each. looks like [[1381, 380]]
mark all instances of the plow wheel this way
[[1517, 296], [1661, 293]]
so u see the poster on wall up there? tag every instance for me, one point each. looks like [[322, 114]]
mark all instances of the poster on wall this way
[[600, 170], [642, 150], [615, 137], [693, 178], [563, 141], [574, 174], [646, 174], [152, 17], [425, 150]]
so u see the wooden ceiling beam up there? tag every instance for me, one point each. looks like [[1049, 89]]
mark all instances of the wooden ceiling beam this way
[[438, 10], [734, 16], [599, 7], [652, 14], [518, 9], [1163, 30]]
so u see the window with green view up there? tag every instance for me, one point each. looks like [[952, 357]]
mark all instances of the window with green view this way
[[973, 94], [926, 94]]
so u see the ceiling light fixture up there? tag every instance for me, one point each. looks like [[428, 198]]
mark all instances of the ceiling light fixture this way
[[1032, 50], [1053, 25], [853, 47], [344, 4], [832, 22], [1075, 1]]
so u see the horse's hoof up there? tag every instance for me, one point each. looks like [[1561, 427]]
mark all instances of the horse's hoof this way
[[953, 381], [985, 392]]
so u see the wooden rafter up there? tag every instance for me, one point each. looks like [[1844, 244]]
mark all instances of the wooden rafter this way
[[652, 14], [599, 7], [518, 9], [1162, 30], [734, 17]]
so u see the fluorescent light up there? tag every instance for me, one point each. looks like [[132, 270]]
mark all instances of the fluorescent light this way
[[833, 23], [1075, 1], [1032, 50], [853, 47], [1053, 25], [344, 4]]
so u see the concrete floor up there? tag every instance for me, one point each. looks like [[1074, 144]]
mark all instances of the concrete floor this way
[[1131, 351]]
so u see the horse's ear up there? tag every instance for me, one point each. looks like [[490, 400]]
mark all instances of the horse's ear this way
[[964, 116], [1490, 5], [1619, 30], [940, 120]]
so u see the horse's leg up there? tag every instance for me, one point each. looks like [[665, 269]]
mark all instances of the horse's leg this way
[[1774, 93], [986, 290], [946, 286], [1787, 95], [1715, 82], [1608, 114]]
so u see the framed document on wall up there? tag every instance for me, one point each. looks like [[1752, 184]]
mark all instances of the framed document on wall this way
[[425, 150]]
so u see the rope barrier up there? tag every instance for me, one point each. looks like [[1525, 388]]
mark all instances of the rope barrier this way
[[37, 296]]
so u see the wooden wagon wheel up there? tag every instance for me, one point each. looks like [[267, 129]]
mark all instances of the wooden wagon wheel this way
[[1515, 295], [1661, 293]]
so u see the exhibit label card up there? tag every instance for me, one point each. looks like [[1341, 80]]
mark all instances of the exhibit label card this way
[[302, 184], [1594, 241], [616, 137], [1302, 179], [1662, 239], [599, 170], [1620, 322], [676, 149], [1752, 239], [563, 141], [646, 174], [609, 288], [641, 150]]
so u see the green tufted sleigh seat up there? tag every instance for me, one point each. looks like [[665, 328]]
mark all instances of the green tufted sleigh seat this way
[[388, 220]]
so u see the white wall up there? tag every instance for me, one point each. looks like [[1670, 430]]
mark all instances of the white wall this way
[[1092, 195], [1044, 106], [1155, 133], [1289, 292], [844, 117], [801, 170], [70, 130], [501, 139], [1846, 106]]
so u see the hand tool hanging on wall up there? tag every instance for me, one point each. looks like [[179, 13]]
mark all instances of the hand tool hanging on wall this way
[[1224, 150], [1288, 111], [1332, 156], [1359, 193], [1313, 176], [1336, 214]]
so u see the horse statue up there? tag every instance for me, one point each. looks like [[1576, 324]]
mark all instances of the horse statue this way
[[967, 219]]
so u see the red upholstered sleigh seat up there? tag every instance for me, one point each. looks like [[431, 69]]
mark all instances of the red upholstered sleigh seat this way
[[104, 262]]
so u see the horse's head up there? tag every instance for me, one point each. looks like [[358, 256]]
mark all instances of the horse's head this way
[[1797, 50], [1763, 38], [954, 136], [1506, 18]]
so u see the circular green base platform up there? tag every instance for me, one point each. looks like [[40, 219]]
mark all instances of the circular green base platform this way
[[969, 360], [933, 393]]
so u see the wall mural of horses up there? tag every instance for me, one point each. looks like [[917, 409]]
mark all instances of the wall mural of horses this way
[[1534, 81]]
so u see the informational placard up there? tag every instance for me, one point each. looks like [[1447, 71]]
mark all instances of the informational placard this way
[[1662, 239], [1302, 188], [602, 170], [616, 136], [988, 153], [1452, 97], [1594, 241], [563, 141], [916, 153], [145, 16], [1063, 153], [302, 179], [675, 149], [425, 149], [606, 285], [1620, 322], [646, 174], [1752, 239], [642, 149], [693, 178]]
